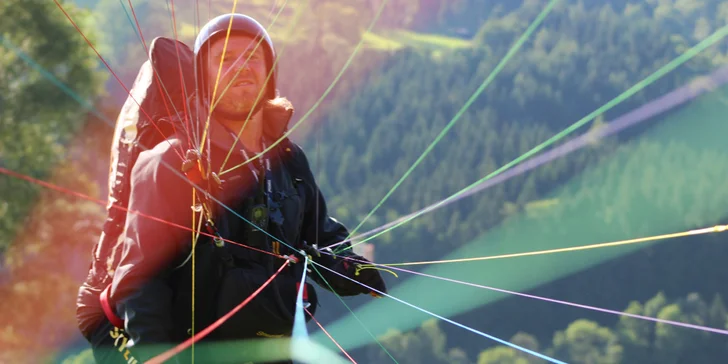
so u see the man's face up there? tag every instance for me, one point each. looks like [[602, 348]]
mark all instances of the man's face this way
[[245, 79]]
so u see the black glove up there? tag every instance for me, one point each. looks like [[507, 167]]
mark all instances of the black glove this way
[[350, 265]]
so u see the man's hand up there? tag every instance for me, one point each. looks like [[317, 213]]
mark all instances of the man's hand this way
[[355, 267]]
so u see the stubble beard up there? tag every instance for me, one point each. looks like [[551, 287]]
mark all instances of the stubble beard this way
[[237, 106]]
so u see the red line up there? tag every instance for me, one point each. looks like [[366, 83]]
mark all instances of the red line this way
[[110, 70], [103, 203], [179, 65], [159, 79], [330, 337], [179, 348]]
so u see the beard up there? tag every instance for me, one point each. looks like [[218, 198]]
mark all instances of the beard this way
[[238, 104], [235, 107], [237, 101]]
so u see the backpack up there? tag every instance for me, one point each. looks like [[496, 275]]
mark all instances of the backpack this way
[[157, 88]]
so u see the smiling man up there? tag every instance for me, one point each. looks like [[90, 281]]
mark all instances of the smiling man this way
[[236, 75], [145, 296]]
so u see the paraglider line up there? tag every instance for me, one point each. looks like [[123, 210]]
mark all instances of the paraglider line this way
[[299, 323], [709, 230], [45, 73], [128, 17], [662, 71], [110, 123], [114, 74], [103, 203], [330, 337], [655, 107], [658, 320], [260, 93], [318, 102], [217, 79], [297, 18], [182, 82], [515, 48], [152, 121], [525, 350], [353, 314], [179, 348], [159, 79], [89, 107]]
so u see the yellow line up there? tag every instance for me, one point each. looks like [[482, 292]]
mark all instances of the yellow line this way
[[714, 229], [194, 241], [217, 79], [277, 57]]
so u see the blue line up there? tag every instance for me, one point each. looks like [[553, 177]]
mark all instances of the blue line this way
[[299, 323], [133, 25], [355, 316], [52, 78], [451, 321]]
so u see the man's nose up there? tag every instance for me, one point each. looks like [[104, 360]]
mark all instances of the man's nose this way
[[240, 66]]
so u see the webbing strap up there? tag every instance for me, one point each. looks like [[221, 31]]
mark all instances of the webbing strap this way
[[108, 311]]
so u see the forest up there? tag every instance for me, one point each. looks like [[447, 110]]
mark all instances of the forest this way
[[377, 82]]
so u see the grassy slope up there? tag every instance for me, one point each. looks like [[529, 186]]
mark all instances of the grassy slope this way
[[401, 38]]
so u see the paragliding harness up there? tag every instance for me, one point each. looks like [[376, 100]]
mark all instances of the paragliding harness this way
[[220, 283]]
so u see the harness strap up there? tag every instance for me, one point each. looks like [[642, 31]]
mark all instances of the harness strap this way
[[108, 311]]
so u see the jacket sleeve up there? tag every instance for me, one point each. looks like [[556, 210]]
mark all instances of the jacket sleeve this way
[[151, 248], [318, 226]]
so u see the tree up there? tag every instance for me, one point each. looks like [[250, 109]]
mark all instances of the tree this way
[[650, 342], [635, 335], [427, 344], [501, 355], [585, 341], [38, 118], [507, 355], [43, 233]]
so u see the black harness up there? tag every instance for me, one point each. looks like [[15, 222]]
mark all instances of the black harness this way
[[229, 273]]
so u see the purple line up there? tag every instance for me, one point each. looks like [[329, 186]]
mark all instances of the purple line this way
[[669, 322], [654, 107], [647, 318], [504, 342]]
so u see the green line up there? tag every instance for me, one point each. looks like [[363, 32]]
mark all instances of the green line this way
[[279, 54], [318, 102], [353, 314], [539, 19], [693, 136], [678, 61]]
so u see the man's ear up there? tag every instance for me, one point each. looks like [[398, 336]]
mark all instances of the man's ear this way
[[277, 114]]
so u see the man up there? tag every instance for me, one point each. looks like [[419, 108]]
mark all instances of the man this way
[[271, 205]]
